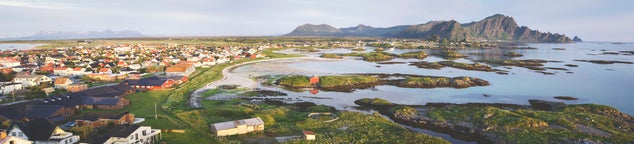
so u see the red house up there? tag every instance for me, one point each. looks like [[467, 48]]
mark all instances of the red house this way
[[150, 83]]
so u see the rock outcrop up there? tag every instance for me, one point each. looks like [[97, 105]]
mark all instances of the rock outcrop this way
[[496, 27]]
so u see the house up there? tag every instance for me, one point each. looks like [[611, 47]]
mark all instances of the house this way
[[182, 69], [95, 120], [106, 77], [237, 127], [62, 71], [314, 80], [308, 135], [10, 87], [31, 80], [4, 139], [54, 113], [76, 87], [105, 71], [78, 71], [107, 98], [129, 134], [41, 131], [209, 61], [62, 82], [150, 83], [9, 62]]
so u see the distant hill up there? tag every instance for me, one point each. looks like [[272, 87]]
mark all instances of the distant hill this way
[[53, 35], [496, 27]]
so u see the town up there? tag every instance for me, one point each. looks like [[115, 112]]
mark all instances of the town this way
[[59, 94]]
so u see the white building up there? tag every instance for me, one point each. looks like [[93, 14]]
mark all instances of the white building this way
[[133, 134], [237, 127], [31, 80], [62, 71], [41, 131], [10, 87]]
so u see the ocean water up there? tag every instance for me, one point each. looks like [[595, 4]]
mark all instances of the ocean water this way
[[607, 84], [11, 46]]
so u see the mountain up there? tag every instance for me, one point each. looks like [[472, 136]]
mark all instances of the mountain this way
[[495, 27], [576, 39], [52, 35]]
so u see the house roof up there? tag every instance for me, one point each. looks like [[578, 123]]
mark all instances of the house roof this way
[[39, 129], [149, 81], [307, 132], [94, 116], [28, 76], [233, 124], [42, 111], [121, 131], [101, 101], [61, 80]]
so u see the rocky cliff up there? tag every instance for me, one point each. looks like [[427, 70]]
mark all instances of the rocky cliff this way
[[492, 28]]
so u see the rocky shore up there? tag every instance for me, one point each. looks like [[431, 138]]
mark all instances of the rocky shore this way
[[540, 122], [347, 83]]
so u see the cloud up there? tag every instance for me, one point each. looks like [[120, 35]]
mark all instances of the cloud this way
[[37, 5]]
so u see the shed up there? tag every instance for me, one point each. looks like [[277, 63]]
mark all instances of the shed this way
[[309, 135]]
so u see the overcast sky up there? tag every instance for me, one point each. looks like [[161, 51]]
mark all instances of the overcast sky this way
[[592, 20]]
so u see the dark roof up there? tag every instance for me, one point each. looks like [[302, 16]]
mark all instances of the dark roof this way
[[39, 129], [42, 111], [15, 111], [176, 78], [93, 116], [101, 101], [148, 81], [121, 131]]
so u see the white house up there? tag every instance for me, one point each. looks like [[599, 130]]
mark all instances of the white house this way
[[61, 83], [133, 134], [78, 71], [237, 127], [31, 80], [9, 62], [10, 87], [62, 71], [41, 131], [14, 140]]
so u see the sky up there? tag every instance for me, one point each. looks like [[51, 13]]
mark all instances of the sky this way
[[591, 20]]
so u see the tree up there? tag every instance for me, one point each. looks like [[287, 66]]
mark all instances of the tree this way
[[6, 123], [82, 131]]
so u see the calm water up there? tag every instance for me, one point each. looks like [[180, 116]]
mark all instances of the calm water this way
[[11, 46], [611, 85]]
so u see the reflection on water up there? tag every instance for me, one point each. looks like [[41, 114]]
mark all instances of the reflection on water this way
[[591, 83]]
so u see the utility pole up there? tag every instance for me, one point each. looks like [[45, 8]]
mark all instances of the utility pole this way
[[155, 114]]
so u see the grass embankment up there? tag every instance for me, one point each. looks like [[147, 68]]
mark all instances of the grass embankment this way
[[290, 119], [506, 123], [370, 57], [177, 103], [576, 122], [451, 55], [433, 82], [519, 63], [329, 82], [418, 55]]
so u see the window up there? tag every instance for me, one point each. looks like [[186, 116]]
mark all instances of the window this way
[[20, 134], [14, 134]]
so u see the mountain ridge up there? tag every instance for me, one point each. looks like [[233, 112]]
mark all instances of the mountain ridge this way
[[56, 35], [497, 27]]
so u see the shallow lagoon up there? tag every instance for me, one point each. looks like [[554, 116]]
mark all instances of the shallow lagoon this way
[[611, 85]]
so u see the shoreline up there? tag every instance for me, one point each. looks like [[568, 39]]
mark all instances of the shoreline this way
[[196, 95]]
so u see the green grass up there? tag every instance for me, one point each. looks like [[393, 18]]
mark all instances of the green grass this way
[[534, 126], [142, 103], [418, 55], [335, 81], [187, 138], [160, 123], [296, 81]]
